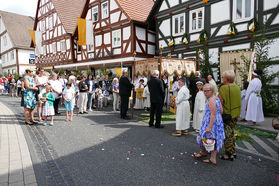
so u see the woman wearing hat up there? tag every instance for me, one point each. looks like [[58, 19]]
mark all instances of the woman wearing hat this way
[[253, 99], [29, 97]]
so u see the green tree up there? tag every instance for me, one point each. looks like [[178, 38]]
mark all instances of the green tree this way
[[205, 66]]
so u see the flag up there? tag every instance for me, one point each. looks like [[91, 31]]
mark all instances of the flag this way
[[252, 66], [85, 32], [37, 40]]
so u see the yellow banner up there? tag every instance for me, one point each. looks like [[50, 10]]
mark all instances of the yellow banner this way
[[81, 31], [32, 34], [118, 71], [172, 104], [139, 92]]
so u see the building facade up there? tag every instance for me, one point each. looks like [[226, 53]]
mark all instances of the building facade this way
[[15, 51], [224, 26]]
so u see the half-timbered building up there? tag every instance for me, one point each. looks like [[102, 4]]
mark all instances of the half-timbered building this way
[[121, 34], [225, 25], [15, 51]]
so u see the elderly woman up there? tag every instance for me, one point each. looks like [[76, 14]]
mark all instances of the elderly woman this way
[[212, 125], [57, 91], [115, 91], [29, 97], [230, 96], [41, 82]]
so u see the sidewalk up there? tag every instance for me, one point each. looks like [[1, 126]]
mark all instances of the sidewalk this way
[[15, 161], [263, 126]]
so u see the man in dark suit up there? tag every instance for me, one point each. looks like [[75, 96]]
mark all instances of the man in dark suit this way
[[156, 89], [125, 87], [193, 88]]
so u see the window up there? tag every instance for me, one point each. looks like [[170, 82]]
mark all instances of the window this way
[[178, 23], [47, 23], [12, 55], [50, 23], [90, 48], [43, 26], [95, 15], [243, 10], [79, 49], [116, 38], [63, 46], [196, 20], [105, 10], [5, 40], [54, 48]]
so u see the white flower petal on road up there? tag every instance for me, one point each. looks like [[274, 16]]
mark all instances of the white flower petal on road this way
[[103, 149], [142, 154]]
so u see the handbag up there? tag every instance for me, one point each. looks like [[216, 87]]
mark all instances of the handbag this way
[[228, 117]]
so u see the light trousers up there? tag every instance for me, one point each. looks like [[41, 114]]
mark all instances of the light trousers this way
[[82, 100], [116, 99]]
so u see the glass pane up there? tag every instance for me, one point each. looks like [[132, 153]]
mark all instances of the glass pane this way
[[176, 25], [247, 8], [181, 24], [239, 9], [194, 21], [200, 20]]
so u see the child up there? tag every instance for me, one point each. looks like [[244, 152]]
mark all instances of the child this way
[[48, 109], [243, 101], [100, 99], [146, 96], [182, 109], [199, 107], [69, 100], [139, 100]]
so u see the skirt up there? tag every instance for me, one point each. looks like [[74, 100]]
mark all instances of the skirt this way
[[69, 106], [48, 110]]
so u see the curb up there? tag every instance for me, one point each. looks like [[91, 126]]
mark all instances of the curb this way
[[264, 130]]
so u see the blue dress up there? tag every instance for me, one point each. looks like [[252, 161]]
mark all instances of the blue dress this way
[[217, 130], [30, 95]]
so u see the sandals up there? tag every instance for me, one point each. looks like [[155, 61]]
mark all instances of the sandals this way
[[28, 123], [208, 161], [199, 155], [229, 158]]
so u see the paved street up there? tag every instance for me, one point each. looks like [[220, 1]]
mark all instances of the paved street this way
[[101, 149]]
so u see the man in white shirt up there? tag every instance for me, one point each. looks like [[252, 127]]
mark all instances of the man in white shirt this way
[[57, 91]]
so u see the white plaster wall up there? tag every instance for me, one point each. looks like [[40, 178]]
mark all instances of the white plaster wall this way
[[274, 49], [9, 42], [276, 20], [117, 51], [24, 55], [163, 7], [173, 3], [220, 11], [151, 37], [269, 4], [126, 33], [113, 5], [88, 15], [141, 33], [236, 47], [212, 30], [194, 37], [165, 27], [68, 44], [107, 38], [123, 17], [98, 40], [241, 27], [129, 48], [114, 17], [223, 30], [162, 43], [151, 49], [138, 49], [2, 26]]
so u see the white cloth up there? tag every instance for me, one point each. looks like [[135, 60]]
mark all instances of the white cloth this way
[[57, 86], [68, 93], [18, 84], [42, 80], [116, 99], [139, 102], [199, 110], [146, 95], [182, 109], [82, 102], [167, 95], [63, 82], [48, 110], [213, 83], [254, 101], [174, 87], [243, 104]]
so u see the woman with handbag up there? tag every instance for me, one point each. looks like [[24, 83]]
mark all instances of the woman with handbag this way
[[230, 96]]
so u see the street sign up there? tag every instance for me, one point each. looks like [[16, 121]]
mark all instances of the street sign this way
[[32, 56]]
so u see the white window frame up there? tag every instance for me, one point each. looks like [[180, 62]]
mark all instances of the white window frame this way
[[63, 46], [116, 34], [103, 17], [12, 55], [95, 7], [190, 20], [243, 18], [173, 24], [54, 47]]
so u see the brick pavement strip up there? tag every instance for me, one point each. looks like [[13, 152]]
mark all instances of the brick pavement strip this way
[[14, 153]]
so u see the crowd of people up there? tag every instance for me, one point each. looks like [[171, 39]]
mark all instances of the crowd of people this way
[[215, 109]]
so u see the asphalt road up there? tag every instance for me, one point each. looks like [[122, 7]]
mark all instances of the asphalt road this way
[[101, 149]]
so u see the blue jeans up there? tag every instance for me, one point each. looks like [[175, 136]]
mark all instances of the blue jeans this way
[[89, 102]]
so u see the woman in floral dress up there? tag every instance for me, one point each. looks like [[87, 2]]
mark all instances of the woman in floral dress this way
[[29, 97], [212, 124]]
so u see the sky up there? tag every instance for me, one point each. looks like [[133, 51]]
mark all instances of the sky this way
[[24, 7]]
